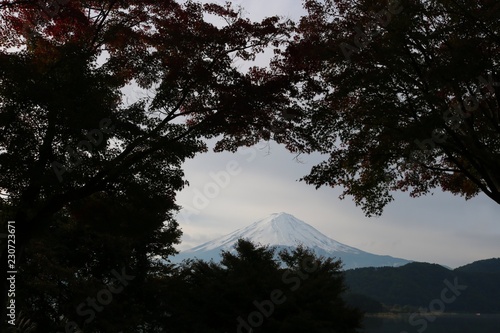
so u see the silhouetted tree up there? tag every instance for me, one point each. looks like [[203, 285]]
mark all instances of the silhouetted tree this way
[[251, 290], [100, 265], [67, 129], [402, 95]]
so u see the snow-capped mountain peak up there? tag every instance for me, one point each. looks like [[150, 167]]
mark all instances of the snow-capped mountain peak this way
[[287, 230], [282, 230]]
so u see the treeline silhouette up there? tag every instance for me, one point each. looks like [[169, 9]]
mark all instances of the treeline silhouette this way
[[100, 277]]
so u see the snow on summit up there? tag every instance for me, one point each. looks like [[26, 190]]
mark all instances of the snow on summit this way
[[287, 230], [283, 231]]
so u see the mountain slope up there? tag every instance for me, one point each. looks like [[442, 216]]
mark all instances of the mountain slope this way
[[418, 284], [284, 231], [482, 266]]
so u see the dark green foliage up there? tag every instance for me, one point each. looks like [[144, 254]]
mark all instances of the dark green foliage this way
[[197, 296], [482, 266], [417, 284], [363, 303], [220, 296], [80, 254]]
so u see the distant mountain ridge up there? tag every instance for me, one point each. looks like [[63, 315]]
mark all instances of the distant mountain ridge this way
[[482, 266], [416, 285], [284, 231]]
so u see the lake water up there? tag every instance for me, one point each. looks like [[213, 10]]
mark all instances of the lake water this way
[[441, 324]]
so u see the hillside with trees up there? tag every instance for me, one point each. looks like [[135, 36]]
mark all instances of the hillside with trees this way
[[415, 285]]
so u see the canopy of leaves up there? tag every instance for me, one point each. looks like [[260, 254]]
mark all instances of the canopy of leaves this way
[[71, 141], [66, 129], [402, 95]]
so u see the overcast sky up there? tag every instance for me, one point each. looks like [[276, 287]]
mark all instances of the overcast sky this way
[[439, 228]]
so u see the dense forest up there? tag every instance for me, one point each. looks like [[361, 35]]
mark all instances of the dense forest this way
[[65, 288], [473, 288]]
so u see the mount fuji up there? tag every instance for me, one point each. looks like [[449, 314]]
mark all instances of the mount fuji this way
[[284, 231]]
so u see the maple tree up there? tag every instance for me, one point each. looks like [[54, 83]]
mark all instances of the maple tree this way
[[401, 95], [67, 129]]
